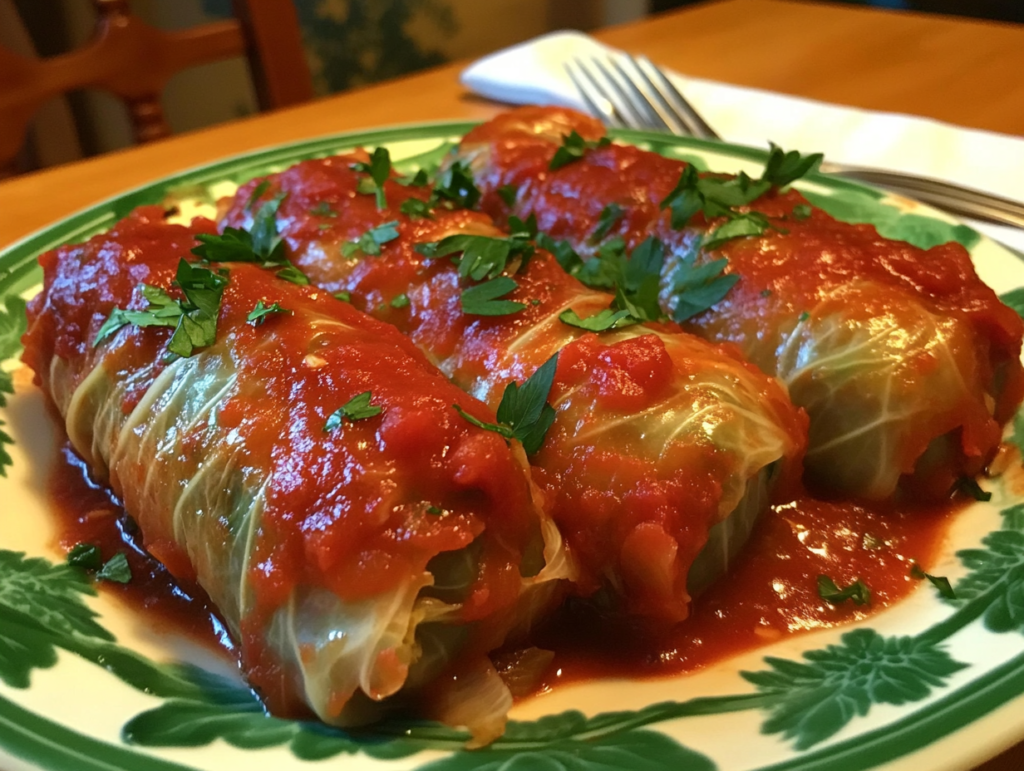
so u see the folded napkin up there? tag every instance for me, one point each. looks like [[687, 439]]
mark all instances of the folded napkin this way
[[534, 73]]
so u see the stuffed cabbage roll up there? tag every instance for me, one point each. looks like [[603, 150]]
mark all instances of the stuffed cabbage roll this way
[[657, 449], [906, 363], [366, 545]]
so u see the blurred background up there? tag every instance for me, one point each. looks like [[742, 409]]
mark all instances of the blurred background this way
[[348, 43]]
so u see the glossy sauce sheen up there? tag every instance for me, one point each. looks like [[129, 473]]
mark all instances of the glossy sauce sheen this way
[[812, 268], [769, 595]]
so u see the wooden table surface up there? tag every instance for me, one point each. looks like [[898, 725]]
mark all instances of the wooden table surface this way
[[961, 71]]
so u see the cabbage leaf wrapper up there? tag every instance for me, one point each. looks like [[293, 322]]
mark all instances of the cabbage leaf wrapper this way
[[906, 363], [663, 449], [362, 564]]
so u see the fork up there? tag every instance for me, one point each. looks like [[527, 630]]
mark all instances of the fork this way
[[632, 92]]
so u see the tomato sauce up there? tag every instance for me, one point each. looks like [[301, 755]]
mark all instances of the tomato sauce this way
[[769, 594]]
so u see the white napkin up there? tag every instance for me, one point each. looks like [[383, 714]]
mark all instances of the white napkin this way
[[533, 73]]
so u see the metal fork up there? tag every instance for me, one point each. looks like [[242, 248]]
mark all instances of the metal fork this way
[[632, 92]]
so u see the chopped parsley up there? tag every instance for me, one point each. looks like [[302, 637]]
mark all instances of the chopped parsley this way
[[524, 412], [766, 293], [414, 208], [345, 297], [418, 179], [508, 194], [194, 319], [804, 316], [801, 211], [484, 299], [969, 487], [609, 217], [116, 570], [782, 168], [573, 148], [485, 256], [256, 194], [357, 408], [699, 287], [435, 510], [858, 592], [598, 322], [378, 171], [939, 582], [400, 301], [323, 209], [259, 313], [370, 242], [261, 245], [85, 555], [456, 186]]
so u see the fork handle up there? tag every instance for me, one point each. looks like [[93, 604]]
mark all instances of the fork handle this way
[[951, 198]]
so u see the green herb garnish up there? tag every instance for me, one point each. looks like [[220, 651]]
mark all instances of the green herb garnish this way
[[508, 194], [858, 592], [457, 187], [259, 313], [969, 487], [598, 322], [379, 171], [415, 208], [524, 412], [939, 582], [482, 299], [801, 211], [401, 301], [85, 555], [115, 570], [699, 287], [194, 318], [323, 209], [783, 168], [573, 148], [609, 217], [357, 408], [256, 194], [370, 242]]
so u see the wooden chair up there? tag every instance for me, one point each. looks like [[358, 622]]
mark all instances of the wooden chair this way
[[134, 61]]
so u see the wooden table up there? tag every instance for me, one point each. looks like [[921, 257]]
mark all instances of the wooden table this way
[[961, 71]]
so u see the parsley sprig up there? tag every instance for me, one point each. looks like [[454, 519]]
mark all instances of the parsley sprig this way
[[858, 592], [370, 242], [261, 245], [356, 408], [524, 412], [378, 171], [573, 148], [481, 257], [258, 315], [601, 321], [456, 187], [194, 319]]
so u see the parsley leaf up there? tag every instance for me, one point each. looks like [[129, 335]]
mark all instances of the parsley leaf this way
[[939, 582], [485, 256], [379, 170], [370, 242], [524, 412], [256, 194], [832, 594], [969, 487], [573, 148], [259, 313], [356, 408], [194, 318], [482, 299], [456, 186], [85, 555], [414, 208], [598, 322], [699, 287], [323, 209], [418, 179], [783, 168], [741, 226], [345, 297], [400, 301], [609, 217], [261, 245], [508, 194], [801, 211], [566, 256], [116, 570], [637, 289]]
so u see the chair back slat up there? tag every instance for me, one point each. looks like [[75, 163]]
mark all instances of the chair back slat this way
[[134, 61]]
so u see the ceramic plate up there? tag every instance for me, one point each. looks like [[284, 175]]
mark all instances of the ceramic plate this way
[[85, 683]]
